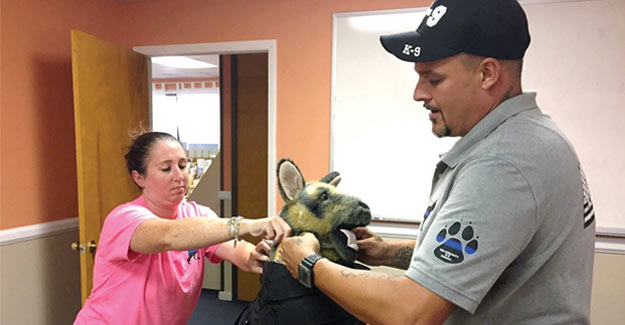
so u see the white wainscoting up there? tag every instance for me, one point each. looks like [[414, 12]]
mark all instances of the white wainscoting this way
[[21, 234]]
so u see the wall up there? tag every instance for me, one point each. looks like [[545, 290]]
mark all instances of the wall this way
[[39, 278], [303, 30], [37, 152], [37, 134], [608, 290], [40, 281]]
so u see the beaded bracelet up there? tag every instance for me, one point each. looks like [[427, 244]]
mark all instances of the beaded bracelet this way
[[232, 228]]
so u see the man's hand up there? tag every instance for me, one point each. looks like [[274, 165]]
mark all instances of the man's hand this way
[[375, 251], [372, 249], [295, 249]]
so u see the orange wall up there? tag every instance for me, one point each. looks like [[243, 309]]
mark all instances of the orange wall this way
[[38, 172], [37, 166]]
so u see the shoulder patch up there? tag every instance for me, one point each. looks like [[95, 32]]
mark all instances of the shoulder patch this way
[[456, 241]]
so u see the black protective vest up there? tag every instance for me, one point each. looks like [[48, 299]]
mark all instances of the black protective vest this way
[[283, 300]]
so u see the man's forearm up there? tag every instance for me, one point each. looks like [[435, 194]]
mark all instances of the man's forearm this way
[[400, 254], [357, 291], [380, 298]]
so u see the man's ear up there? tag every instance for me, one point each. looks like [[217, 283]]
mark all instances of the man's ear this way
[[138, 178], [490, 72]]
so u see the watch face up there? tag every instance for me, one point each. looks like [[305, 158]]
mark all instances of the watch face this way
[[304, 276]]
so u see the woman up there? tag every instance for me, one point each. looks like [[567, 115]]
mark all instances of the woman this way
[[148, 267]]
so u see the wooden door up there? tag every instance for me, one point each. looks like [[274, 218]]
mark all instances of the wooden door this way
[[250, 147], [111, 99]]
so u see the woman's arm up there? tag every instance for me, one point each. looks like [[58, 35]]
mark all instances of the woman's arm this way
[[159, 235], [244, 255]]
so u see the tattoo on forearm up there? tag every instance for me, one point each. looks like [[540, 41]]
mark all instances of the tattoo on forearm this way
[[351, 274], [402, 258], [348, 274], [298, 242]]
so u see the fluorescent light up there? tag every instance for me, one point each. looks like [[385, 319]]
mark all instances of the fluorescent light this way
[[181, 62], [387, 22]]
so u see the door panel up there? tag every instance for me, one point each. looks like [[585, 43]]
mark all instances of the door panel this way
[[110, 100], [250, 145]]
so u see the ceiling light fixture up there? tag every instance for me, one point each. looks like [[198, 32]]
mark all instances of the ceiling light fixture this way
[[181, 62], [401, 21]]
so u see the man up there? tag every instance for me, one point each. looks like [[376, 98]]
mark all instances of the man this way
[[508, 235]]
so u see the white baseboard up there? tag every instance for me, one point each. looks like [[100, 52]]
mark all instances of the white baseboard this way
[[26, 233]]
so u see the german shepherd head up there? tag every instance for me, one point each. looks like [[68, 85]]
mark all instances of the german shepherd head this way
[[319, 208]]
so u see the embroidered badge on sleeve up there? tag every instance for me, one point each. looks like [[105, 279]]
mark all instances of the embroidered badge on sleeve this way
[[455, 243]]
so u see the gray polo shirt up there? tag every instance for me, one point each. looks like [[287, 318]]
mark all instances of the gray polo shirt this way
[[508, 235]]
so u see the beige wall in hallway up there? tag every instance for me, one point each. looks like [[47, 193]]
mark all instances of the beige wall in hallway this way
[[40, 281], [608, 291]]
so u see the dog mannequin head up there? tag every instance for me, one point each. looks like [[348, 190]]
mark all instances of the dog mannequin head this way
[[319, 208]]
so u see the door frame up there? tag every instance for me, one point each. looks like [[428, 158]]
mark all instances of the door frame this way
[[241, 47]]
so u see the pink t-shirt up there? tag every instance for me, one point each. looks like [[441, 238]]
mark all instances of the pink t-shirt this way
[[133, 288]]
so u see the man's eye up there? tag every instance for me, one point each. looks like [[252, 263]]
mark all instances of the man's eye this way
[[435, 82], [166, 169], [182, 166]]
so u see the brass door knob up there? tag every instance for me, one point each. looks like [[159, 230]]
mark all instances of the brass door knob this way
[[92, 246], [80, 247]]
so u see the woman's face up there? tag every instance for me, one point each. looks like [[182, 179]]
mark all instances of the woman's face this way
[[166, 178]]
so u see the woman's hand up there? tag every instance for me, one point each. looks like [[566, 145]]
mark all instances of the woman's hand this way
[[259, 255], [295, 249], [274, 228]]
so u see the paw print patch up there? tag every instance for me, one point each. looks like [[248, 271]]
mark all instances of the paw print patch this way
[[456, 242]]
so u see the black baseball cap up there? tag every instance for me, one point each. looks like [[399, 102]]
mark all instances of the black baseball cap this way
[[491, 28]]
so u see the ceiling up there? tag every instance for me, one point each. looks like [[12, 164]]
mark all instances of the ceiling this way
[[163, 72]]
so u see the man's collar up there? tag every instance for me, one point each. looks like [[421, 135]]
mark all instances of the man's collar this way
[[488, 124]]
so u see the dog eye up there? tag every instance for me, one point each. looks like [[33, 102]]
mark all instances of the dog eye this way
[[323, 196]]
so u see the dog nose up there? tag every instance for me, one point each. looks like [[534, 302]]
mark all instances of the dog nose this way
[[363, 204]]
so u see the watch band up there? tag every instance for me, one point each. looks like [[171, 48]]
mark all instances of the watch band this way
[[305, 270]]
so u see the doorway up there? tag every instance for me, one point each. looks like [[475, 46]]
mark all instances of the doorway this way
[[185, 93], [227, 82], [243, 47]]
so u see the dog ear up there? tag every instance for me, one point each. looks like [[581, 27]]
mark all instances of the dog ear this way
[[290, 179], [333, 178]]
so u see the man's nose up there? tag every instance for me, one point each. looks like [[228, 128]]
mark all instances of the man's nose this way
[[420, 93]]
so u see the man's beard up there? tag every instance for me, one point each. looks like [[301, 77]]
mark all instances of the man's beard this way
[[446, 133]]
